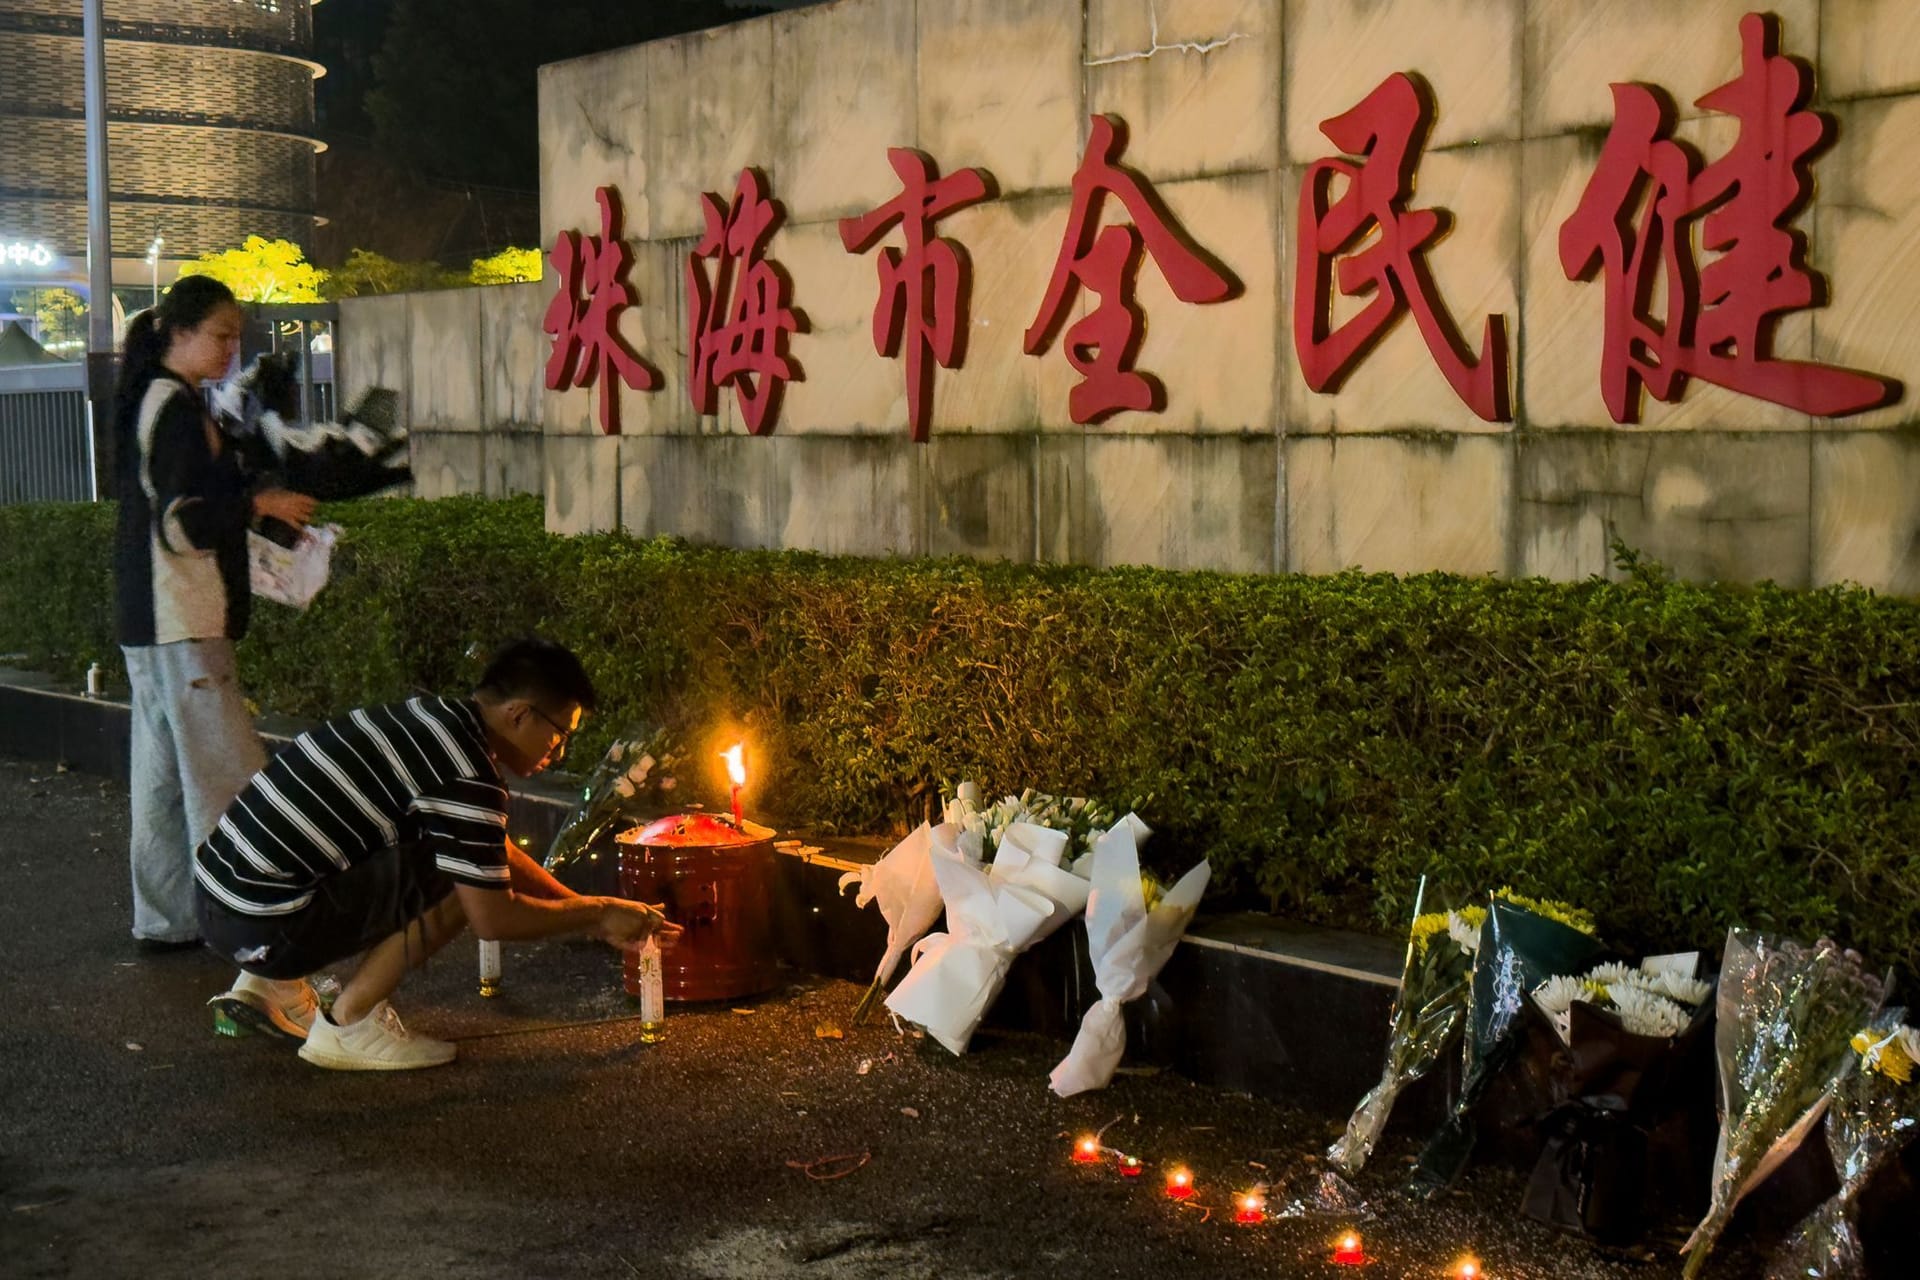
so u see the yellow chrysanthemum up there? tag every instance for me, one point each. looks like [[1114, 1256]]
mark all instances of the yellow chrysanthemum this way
[[1887, 1055], [1571, 916], [1424, 927]]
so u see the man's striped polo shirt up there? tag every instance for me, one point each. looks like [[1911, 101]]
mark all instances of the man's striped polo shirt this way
[[411, 776]]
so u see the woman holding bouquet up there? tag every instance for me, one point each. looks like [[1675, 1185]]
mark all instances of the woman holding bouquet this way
[[181, 594]]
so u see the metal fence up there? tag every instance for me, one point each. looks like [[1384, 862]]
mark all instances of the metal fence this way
[[46, 450]]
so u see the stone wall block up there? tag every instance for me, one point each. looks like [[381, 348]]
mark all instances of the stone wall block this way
[[848, 387], [1465, 49], [514, 462], [444, 360], [1867, 47], [1866, 510], [1002, 78], [582, 483], [1182, 502], [709, 115], [513, 352], [593, 127], [373, 348], [980, 496], [1398, 504], [847, 495], [446, 463], [1574, 52], [1475, 269], [844, 93], [1185, 78]]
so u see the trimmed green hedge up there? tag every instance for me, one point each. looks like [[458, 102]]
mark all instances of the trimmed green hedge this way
[[1679, 758]]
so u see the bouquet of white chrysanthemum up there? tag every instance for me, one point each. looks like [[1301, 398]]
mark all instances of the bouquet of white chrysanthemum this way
[[1629, 1063], [1426, 1016], [1787, 1013], [903, 885], [627, 786], [1873, 1113]]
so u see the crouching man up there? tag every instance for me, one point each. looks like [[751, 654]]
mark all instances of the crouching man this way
[[384, 832]]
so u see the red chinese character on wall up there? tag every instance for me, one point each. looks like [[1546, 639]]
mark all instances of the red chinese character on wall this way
[[586, 329], [925, 289], [1389, 129], [1102, 344], [1636, 216], [738, 319]]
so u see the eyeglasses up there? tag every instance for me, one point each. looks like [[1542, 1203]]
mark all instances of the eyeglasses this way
[[565, 734]]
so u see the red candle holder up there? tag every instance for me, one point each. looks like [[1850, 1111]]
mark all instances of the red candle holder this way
[[1250, 1209], [1086, 1151], [1349, 1250], [1130, 1167], [1179, 1184]]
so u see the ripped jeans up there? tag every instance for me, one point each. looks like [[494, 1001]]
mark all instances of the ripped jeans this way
[[194, 748]]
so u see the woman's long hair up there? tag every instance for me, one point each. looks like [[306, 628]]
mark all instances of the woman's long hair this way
[[150, 333]]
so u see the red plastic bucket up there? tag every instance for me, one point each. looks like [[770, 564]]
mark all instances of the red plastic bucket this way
[[716, 881]]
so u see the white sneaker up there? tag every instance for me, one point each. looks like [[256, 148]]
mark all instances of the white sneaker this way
[[282, 1009], [378, 1042]]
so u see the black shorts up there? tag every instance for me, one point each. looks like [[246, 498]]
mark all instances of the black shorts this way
[[350, 912]]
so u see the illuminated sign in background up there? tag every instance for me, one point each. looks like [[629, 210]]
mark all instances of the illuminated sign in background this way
[[26, 253]]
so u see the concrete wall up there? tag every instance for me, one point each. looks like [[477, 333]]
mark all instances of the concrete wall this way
[[1247, 469]]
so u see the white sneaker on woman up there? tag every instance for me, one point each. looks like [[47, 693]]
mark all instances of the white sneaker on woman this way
[[282, 1009], [378, 1042]]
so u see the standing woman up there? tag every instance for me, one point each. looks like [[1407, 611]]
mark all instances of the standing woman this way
[[180, 567]]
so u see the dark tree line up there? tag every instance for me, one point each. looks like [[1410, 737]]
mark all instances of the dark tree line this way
[[448, 87]]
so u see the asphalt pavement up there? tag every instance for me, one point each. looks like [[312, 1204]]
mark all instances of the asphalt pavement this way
[[763, 1139]]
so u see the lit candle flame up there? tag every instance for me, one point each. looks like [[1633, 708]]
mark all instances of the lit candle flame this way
[[1086, 1150], [1180, 1183], [736, 765], [1468, 1268]]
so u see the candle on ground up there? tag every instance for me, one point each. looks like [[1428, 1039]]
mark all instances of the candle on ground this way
[[1348, 1251], [1086, 1151]]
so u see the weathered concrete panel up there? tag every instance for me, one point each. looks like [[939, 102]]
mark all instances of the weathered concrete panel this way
[[1216, 361], [1060, 485], [1399, 385], [1566, 319], [582, 483], [374, 349], [709, 115], [1866, 510], [1194, 82], [860, 496], [1000, 86], [1867, 47], [1866, 237], [1575, 51], [1708, 505], [1182, 502], [1467, 50], [1398, 504], [513, 352], [444, 359], [980, 496], [847, 387], [515, 463], [447, 462], [593, 119], [843, 93], [1012, 244]]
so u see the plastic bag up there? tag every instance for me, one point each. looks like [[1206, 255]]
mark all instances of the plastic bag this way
[[292, 575]]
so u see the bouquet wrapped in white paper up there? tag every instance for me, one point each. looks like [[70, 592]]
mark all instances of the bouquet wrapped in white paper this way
[[993, 914], [1129, 939], [903, 884]]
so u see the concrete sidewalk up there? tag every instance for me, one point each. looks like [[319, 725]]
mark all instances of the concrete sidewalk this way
[[135, 1142]]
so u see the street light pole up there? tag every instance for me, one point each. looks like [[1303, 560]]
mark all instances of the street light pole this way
[[153, 260], [99, 252]]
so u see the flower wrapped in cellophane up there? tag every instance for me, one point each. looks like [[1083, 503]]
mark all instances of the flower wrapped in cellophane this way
[[1787, 1013], [1523, 943], [1874, 1112], [1081, 819], [993, 914], [1426, 1017], [1131, 931], [629, 785], [903, 884]]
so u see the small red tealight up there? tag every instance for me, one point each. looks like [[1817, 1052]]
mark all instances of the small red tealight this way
[[1250, 1208], [1179, 1184], [1086, 1151], [1348, 1251], [1130, 1167], [1468, 1268]]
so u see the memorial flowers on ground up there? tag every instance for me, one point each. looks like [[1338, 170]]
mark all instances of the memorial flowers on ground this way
[[1426, 1017], [628, 785], [1787, 1017]]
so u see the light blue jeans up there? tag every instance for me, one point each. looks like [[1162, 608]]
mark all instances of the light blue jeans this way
[[194, 748]]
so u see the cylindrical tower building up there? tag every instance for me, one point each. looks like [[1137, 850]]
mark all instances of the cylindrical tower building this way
[[210, 134]]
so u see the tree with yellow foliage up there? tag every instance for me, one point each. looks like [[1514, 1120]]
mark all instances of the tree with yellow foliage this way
[[262, 270]]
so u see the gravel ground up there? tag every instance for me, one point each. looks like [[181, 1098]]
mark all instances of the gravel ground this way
[[135, 1142]]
